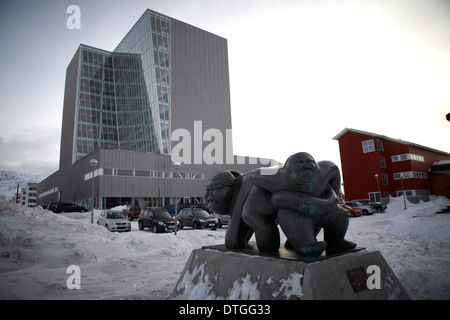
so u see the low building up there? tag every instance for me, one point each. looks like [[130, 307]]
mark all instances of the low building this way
[[28, 196], [377, 167]]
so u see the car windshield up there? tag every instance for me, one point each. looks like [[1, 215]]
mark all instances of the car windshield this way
[[201, 214], [115, 215], [161, 214]]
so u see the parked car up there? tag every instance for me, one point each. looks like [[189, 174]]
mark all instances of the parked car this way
[[157, 219], [197, 218], [352, 212], [114, 221], [58, 207], [378, 206], [132, 212], [364, 208], [222, 219], [52, 206]]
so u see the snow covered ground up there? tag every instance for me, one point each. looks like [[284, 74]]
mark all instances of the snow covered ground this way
[[37, 246]]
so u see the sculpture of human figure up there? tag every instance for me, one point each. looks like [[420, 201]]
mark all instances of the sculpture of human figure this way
[[226, 192], [305, 195], [301, 195]]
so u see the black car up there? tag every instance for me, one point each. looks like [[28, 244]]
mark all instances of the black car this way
[[196, 218], [58, 207], [52, 206], [157, 219]]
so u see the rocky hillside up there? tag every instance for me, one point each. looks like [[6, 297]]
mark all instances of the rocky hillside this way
[[10, 179]]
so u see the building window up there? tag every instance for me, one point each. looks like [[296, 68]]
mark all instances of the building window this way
[[382, 162], [384, 179], [368, 146], [380, 145], [406, 157], [414, 193], [410, 175]]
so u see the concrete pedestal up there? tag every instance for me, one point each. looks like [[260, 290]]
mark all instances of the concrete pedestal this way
[[217, 273]]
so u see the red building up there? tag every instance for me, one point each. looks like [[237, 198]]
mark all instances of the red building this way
[[374, 165]]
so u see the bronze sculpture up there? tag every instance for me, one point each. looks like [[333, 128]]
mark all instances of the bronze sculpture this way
[[301, 196]]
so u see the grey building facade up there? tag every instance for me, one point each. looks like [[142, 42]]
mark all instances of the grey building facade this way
[[162, 95]]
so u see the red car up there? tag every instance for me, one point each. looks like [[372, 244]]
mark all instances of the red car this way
[[352, 212], [132, 212]]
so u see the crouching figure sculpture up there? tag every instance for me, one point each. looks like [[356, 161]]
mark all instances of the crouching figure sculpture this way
[[301, 196]]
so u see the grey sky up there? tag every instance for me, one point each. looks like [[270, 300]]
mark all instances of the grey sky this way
[[299, 70]]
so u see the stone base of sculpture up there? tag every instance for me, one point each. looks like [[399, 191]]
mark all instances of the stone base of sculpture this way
[[218, 273]]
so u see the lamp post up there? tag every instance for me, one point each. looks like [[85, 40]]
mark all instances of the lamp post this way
[[93, 163], [378, 185], [403, 190], [176, 166]]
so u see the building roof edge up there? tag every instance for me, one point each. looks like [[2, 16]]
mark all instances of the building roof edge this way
[[412, 144]]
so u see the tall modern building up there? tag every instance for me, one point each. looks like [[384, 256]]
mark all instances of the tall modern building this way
[[122, 108]]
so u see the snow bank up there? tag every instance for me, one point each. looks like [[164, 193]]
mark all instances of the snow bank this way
[[37, 246], [415, 242]]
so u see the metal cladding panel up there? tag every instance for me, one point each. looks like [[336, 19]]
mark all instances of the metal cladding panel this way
[[200, 89], [68, 120]]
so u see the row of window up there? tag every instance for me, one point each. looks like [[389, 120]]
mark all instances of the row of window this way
[[85, 146], [406, 157], [369, 146], [97, 102], [98, 87], [414, 193], [160, 23], [50, 191], [97, 73], [404, 175], [100, 59], [410, 175], [145, 174], [96, 117], [94, 132]]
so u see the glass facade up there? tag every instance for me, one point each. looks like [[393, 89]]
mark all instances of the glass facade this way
[[96, 118], [124, 96]]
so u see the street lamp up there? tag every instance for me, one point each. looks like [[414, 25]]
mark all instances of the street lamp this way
[[176, 166], [378, 185], [403, 190], [93, 163]]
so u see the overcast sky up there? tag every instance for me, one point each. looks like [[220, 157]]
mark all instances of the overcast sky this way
[[300, 71]]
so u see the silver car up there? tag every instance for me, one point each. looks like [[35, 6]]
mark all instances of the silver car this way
[[223, 219], [114, 221], [364, 208]]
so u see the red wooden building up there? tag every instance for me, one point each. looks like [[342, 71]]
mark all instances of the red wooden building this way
[[374, 165]]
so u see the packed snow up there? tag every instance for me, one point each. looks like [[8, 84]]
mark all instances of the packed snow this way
[[37, 247]]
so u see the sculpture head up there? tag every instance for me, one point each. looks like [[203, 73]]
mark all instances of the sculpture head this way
[[220, 190], [303, 171]]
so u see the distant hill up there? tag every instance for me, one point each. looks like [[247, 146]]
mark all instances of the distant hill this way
[[10, 179]]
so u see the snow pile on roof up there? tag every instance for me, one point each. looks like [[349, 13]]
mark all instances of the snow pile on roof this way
[[441, 162]]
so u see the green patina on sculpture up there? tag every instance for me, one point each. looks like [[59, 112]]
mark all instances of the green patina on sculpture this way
[[301, 196]]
